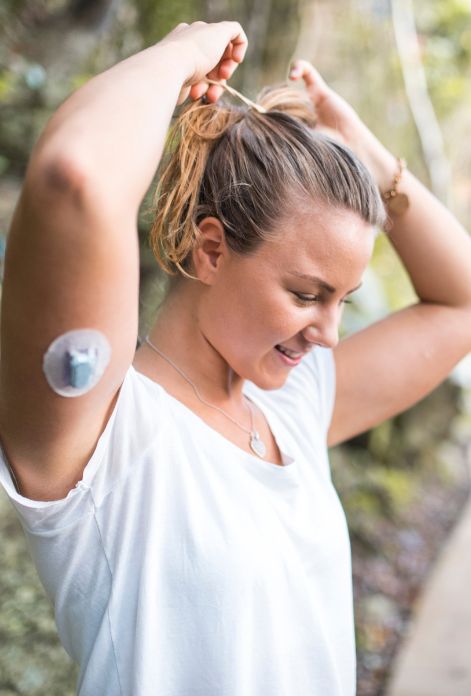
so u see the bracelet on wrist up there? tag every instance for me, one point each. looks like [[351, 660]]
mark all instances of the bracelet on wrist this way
[[396, 202]]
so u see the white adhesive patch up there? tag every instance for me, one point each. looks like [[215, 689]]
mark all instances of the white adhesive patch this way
[[75, 362]]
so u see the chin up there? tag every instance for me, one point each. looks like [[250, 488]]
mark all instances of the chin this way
[[263, 373], [268, 382]]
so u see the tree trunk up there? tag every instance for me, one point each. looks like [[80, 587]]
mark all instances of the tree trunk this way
[[420, 104]]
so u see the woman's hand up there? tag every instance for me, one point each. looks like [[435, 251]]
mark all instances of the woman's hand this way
[[338, 119], [211, 50], [335, 116]]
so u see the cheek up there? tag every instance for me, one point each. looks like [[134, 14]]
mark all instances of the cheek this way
[[266, 321], [244, 322], [245, 318], [227, 319]]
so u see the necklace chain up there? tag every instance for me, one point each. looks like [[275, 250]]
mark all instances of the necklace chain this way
[[256, 444]]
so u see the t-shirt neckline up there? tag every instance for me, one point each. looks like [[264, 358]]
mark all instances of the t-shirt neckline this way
[[289, 462]]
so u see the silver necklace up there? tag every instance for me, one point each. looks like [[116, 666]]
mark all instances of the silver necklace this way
[[256, 443]]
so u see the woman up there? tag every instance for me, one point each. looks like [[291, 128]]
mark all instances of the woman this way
[[177, 501]]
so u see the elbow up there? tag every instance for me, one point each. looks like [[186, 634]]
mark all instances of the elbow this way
[[54, 178], [63, 175]]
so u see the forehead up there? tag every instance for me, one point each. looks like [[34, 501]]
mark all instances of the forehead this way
[[333, 244]]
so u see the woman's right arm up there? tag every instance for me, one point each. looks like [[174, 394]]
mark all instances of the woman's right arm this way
[[72, 257]]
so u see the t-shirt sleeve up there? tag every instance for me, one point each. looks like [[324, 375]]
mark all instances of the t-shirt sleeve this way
[[311, 386], [326, 380], [307, 398], [38, 515]]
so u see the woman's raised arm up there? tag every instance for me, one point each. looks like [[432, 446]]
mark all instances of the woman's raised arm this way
[[72, 253], [387, 367], [109, 135]]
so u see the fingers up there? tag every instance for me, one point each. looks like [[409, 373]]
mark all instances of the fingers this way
[[302, 68], [203, 89], [317, 88], [238, 39], [234, 52], [198, 90], [213, 93], [226, 35], [233, 55]]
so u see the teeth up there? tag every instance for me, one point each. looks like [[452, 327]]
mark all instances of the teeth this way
[[289, 353]]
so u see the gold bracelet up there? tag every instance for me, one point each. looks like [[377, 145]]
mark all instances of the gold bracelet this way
[[396, 202]]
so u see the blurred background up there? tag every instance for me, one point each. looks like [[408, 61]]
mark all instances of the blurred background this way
[[405, 65]]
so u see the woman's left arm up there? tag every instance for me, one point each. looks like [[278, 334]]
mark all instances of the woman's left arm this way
[[388, 366]]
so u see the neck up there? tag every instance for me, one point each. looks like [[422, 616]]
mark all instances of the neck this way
[[178, 333]]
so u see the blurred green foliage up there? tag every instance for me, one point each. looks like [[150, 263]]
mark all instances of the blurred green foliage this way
[[446, 35]]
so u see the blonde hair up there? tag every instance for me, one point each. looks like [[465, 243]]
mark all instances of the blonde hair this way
[[243, 167]]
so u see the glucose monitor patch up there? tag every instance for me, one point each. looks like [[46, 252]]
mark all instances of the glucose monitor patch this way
[[75, 362]]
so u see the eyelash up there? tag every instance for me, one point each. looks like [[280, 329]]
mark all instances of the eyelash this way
[[305, 299]]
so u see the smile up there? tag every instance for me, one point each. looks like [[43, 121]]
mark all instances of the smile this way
[[290, 357], [290, 353]]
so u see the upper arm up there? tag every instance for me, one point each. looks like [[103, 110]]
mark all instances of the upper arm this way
[[387, 367], [71, 263]]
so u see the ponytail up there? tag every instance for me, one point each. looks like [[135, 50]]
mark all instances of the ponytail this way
[[244, 167], [175, 230]]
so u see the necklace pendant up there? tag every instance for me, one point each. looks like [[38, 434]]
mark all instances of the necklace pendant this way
[[257, 445]]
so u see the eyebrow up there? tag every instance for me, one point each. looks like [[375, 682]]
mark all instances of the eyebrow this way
[[321, 283]]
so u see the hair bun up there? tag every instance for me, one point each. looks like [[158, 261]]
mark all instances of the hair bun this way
[[290, 100]]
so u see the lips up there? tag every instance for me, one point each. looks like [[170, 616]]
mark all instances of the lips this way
[[294, 355]]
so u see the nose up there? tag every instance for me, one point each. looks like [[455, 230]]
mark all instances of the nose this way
[[324, 331]]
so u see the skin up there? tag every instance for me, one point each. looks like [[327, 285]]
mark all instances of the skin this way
[[244, 305]]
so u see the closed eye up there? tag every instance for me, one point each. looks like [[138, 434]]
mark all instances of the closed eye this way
[[309, 299]]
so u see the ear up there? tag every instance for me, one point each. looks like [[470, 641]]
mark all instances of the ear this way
[[211, 250]]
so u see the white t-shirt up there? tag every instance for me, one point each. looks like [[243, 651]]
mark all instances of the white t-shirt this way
[[182, 566]]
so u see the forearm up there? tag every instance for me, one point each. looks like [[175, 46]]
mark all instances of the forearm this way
[[113, 129], [432, 245]]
